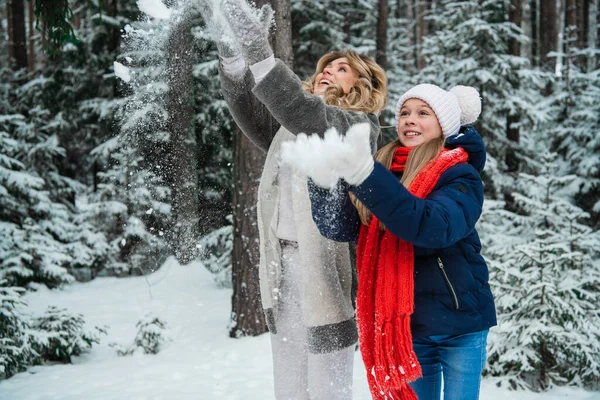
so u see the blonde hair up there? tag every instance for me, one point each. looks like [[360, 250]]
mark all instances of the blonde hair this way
[[369, 93], [417, 160]]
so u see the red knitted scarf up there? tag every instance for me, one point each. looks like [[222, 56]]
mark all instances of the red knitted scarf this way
[[385, 298]]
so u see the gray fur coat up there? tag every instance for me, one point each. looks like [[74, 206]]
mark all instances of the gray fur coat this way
[[269, 113]]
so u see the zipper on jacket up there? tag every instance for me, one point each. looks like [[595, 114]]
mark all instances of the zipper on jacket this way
[[441, 265]]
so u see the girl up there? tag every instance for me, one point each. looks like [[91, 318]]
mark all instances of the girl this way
[[424, 305], [306, 280]]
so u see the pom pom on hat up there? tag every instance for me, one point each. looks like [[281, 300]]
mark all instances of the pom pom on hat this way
[[459, 106], [469, 102]]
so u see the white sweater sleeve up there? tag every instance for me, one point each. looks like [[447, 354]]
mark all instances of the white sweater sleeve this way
[[262, 68]]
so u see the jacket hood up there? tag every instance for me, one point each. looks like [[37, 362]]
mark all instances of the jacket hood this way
[[469, 139]]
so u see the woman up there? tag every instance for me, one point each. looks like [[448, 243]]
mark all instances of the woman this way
[[424, 305], [306, 280]]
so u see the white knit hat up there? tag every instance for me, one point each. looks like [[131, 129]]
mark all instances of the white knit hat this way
[[459, 106]]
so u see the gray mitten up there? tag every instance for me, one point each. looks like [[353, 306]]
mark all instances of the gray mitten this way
[[218, 28], [250, 27]]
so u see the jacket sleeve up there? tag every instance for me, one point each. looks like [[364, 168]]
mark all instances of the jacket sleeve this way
[[253, 118], [446, 216], [301, 112], [333, 212]]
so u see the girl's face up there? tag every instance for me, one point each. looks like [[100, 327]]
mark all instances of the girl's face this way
[[338, 71], [417, 123]]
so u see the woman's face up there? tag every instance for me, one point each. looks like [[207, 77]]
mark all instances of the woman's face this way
[[417, 123], [338, 71]]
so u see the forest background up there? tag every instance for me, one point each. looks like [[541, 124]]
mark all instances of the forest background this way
[[107, 169]]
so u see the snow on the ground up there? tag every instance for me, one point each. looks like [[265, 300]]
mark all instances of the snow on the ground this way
[[201, 362]]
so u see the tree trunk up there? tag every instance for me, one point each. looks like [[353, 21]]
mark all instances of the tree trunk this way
[[282, 40], [548, 30], [247, 318], [182, 147], [421, 7], [17, 37], [514, 16], [535, 32], [527, 27], [582, 10], [592, 34], [382, 28], [31, 41], [512, 132]]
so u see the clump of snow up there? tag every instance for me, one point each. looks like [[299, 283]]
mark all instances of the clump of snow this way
[[319, 157], [154, 9], [122, 71]]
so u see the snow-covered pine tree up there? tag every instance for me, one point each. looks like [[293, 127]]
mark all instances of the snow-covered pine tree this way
[[547, 288], [152, 334], [575, 130], [318, 27], [16, 351], [60, 335], [327, 25], [469, 46], [42, 242], [402, 69]]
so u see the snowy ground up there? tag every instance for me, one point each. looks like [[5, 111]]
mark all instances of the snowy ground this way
[[201, 362]]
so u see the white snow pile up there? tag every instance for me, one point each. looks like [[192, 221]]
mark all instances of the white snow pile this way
[[121, 71], [154, 9]]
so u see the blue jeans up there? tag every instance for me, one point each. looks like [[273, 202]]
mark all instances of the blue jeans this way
[[458, 358]]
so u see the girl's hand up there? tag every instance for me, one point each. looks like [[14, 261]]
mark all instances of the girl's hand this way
[[326, 160], [357, 163], [313, 156]]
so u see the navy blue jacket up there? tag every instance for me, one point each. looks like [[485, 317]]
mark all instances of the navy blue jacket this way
[[452, 293]]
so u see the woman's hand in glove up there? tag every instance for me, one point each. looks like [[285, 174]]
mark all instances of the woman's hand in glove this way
[[218, 30], [250, 27]]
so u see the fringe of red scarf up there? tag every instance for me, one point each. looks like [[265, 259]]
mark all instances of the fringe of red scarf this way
[[385, 298]]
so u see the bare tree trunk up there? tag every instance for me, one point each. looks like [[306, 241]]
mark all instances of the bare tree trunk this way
[[247, 318], [535, 32], [548, 29], [569, 42], [182, 147], [17, 37], [512, 132], [382, 28], [527, 27], [9, 31], [420, 10], [582, 10], [31, 41], [592, 34], [282, 40], [514, 16]]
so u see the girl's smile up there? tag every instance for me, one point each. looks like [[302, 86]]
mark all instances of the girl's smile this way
[[417, 123]]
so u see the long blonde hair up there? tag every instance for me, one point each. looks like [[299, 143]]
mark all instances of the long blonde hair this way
[[417, 160], [369, 93]]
